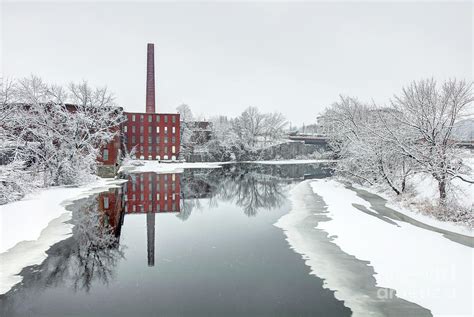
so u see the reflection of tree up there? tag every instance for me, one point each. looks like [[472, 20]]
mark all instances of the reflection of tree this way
[[97, 252], [88, 256], [250, 187]]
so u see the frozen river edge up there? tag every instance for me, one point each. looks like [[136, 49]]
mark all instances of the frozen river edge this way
[[29, 227], [377, 265]]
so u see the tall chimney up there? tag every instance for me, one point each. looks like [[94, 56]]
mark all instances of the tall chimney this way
[[150, 79]]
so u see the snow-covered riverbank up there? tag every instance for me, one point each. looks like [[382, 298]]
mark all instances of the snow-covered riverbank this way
[[36, 222], [422, 266], [137, 166]]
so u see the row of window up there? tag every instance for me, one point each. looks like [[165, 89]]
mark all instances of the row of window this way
[[150, 139], [157, 149], [133, 208], [150, 197], [150, 130], [150, 186], [157, 117], [141, 177]]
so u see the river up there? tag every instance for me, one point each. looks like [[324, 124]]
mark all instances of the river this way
[[199, 243]]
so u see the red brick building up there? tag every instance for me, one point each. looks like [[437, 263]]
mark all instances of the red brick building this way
[[152, 136], [148, 135]]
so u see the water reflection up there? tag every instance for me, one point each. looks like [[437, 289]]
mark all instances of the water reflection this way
[[90, 256]]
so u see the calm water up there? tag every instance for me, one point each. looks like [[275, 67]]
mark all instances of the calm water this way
[[200, 243]]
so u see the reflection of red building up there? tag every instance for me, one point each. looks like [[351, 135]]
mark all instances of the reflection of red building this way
[[150, 192], [144, 193]]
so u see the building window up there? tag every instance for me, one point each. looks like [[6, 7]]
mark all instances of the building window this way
[[157, 129], [157, 118], [149, 118], [141, 129], [149, 140], [157, 140], [173, 139], [141, 138], [134, 140], [141, 118], [142, 197], [149, 197], [173, 129], [166, 119], [125, 129], [166, 139], [105, 155], [158, 196], [133, 117], [173, 149], [149, 129], [149, 150], [166, 129], [106, 202], [173, 119]]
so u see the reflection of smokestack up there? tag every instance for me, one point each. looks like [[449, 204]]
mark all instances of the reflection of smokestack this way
[[150, 79], [150, 233]]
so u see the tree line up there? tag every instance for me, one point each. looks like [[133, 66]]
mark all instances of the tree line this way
[[411, 135], [233, 138]]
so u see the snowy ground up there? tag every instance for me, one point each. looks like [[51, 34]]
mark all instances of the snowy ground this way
[[137, 166], [423, 266], [289, 162], [31, 225]]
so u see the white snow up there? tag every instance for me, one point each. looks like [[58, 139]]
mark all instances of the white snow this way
[[424, 194], [287, 162], [135, 166], [422, 266], [30, 226], [138, 166]]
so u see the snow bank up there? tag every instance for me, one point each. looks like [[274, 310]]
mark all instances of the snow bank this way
[[135, 166], [31, 225], [412, 213], [421, 265], [288, 162]]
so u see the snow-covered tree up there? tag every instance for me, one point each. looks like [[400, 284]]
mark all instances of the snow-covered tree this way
[[185, 113], [426, 114], [55, 132], [255, 129], [413, 135]]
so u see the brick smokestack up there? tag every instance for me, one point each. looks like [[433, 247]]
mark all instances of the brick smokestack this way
[[150, 79]]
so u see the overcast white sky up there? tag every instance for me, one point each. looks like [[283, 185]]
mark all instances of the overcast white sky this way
[[220, 58]]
